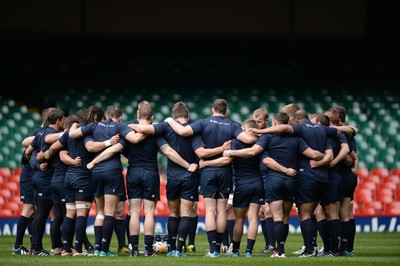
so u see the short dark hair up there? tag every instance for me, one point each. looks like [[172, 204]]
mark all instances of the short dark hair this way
[[180, 109], [250, 123], [300, 114], [281, 117], [341, 112], [70, 120], [323, 119], [220, 106], [114, 112], [54, 115], [94, 114], [145, 111]]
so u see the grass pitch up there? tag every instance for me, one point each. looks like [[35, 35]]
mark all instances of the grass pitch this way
[[371, 249]]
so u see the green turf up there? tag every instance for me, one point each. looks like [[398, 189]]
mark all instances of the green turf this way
[[371, 249]]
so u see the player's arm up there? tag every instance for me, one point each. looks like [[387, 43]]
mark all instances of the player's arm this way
[[344, 150], [349, 131], [105, 155], [203, 152], [247, 152], [27, 141], [278, 129], [247, 138], [171, 154], [68, 160], [180, 129], [144, 129], [324, 161], [274, 165], [40, 157], [53, 137], [29, 151], [98, 146], [75, 131], [354, 156], [56, 146], [134, 137], [313, 154], [221, 161]]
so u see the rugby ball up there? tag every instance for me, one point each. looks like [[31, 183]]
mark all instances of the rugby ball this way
[[160, 247]]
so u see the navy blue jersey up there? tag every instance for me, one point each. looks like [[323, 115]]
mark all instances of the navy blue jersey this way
[[342, 168], [284, 149], [182, 145], [75, 148], [54, 160], [316, 137], [103, 131], [26, 172], [214, 131], [246, 170], [144, 154], [336, 142], [36, 144]]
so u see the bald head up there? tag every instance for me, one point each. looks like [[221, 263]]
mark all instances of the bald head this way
[[300, 116]]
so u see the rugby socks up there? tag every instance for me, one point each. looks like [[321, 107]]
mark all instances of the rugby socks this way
[[212, 239], [80, 229], [230, 224], [39, 223], [98, 235], [323, 232], [334, 234], [108, 227], [225, 239], [315, 232], [264, 231], [352, 234], [193, 229], [345, 230], [173, 225], [269, 224], [119, 228], [127, 220], [148, 243], [30, 229], [280, 236], [55, 227], [219, 238], [250, 245], [134, 241], [236, 246], [183, 231], [86, 241], [286, 231], [68, 233], [308, 232], [21, 228]]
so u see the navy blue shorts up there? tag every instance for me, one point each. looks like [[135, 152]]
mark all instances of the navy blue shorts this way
[[183, 189], [57, 193], [280, 188], [143, 184], [246, 193], [26, 192], [109, 182], [307, 190], [216, 184], [332, 191], [78, 187], [41, 186], [349, 185]]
